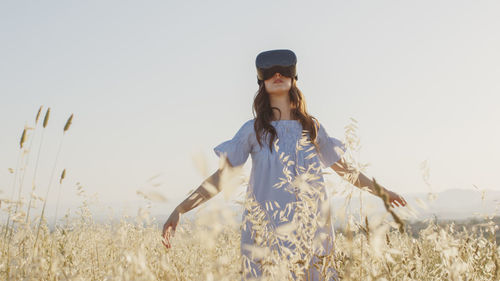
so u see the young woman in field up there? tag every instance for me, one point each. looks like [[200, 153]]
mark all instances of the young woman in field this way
[[289, 147]]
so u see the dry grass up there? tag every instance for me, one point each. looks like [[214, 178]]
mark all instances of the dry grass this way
[[208, 248]]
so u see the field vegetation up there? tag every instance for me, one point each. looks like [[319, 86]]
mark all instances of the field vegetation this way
[[386, 247]]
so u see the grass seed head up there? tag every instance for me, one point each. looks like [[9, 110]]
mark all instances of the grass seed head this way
[[23, 138], [68, 123], [38, 114], [46, 118], [63, 175]]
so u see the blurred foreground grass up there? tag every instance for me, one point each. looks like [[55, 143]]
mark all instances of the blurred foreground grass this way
[[210, 250]]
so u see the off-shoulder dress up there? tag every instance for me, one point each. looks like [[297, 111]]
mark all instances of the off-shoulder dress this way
[[273, 184]]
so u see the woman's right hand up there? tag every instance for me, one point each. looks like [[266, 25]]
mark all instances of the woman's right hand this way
[[169, 227]]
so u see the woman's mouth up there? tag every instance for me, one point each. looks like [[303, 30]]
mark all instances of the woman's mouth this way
[[278, 81]]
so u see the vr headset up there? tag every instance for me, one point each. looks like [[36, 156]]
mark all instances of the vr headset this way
[[269, 62]]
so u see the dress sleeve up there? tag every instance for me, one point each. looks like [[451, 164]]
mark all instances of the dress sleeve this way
[[330, 149], [238, 148]]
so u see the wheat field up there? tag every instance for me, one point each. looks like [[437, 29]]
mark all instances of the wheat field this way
[[208, 247]]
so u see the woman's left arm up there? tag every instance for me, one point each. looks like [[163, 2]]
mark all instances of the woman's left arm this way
[[341, 168]]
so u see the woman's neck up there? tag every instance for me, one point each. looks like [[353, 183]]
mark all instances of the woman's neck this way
[[283, 103]]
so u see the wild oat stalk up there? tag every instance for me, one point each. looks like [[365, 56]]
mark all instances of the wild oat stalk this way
[[63, 175], [66, 127], [21, 183], [9, 230], [33, 182], [21, 151], [6, 228]]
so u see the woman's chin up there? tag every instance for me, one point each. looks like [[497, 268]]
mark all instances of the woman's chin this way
[[279, 92]]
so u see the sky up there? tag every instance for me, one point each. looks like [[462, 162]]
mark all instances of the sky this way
[[156, 85]]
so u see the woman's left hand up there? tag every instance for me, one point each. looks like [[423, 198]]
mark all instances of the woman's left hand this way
[[395, 200]]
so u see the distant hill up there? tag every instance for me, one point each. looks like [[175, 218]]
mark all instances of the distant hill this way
[[462, 204], [453, 204]]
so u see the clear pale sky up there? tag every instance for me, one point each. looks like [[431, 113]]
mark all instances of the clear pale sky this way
[[152, 83]]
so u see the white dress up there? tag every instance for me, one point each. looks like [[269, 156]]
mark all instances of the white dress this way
[[273, 184]]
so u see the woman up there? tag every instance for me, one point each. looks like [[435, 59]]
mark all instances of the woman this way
[[288, 148]]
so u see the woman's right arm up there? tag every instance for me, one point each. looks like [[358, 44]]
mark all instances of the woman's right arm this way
[[208, 189]]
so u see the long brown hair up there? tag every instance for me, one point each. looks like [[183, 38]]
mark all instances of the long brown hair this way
[[263, 114]]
